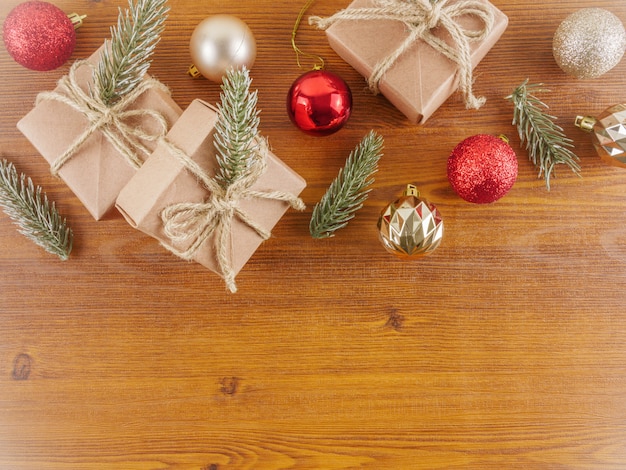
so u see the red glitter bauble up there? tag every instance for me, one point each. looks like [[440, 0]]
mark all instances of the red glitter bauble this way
[[319, 102], [482, 168], [39, 36]]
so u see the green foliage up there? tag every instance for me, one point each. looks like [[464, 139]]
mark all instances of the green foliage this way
[[30, 210], [546, 143], [347, 193], [237, 126], [126, 56]]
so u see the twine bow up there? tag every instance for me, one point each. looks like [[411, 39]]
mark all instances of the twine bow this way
[[421, 17], [197, 221], [110, 120]]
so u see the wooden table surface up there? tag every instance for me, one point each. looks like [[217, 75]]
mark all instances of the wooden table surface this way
[[504, 349]]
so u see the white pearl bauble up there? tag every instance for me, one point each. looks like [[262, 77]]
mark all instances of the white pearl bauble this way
[[219, 43]]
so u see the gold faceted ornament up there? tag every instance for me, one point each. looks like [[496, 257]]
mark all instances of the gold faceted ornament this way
[[608, 133], [410, 227]]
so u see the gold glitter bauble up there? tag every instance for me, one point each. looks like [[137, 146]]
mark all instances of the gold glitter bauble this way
[[410, 227], [589, 43]]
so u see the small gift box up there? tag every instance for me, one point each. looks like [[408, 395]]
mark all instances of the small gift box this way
[[96, 149], [175, 199], [416, 53]]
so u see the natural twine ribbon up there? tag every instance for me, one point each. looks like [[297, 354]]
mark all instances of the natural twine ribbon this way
[[421, 17], [110, 120], [198, 221]]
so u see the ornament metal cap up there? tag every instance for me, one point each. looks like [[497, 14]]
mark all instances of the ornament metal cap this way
[[585, 123], [76, 19], [193, 71], [411, 190]]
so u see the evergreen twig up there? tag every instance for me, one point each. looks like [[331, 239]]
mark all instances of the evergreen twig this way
[[30, 210], [237, 126], [126, 56], [546, 142], [347, 193]]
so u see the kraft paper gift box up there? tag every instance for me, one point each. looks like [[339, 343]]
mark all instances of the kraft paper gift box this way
[[164, 181], [421, 79], [97, 171]]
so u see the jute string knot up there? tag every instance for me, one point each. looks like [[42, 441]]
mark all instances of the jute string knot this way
[[112, 121], [433, 16], [194, 223], [421, 17]]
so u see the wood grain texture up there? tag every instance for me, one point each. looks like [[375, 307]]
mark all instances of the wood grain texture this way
[[504, 349]]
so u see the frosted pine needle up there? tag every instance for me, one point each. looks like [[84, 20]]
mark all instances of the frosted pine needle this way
[[30, 210], [125, 58], [545, 141], [347, 193], [237, 126]]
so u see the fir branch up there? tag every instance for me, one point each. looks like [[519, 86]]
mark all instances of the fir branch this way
[[347, 193], [125, 58], [546, 143], [237, 126], [30, 210]]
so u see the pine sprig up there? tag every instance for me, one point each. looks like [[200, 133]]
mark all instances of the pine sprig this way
[[347, 193], [546, 142], [125, 58], [30, 210], [237, 127]]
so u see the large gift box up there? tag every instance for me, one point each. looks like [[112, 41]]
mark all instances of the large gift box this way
[[164, 182], [421, 78], [95, 166]]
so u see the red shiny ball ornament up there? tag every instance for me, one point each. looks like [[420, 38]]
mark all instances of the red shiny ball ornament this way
[[319, 103], [482, 168], [39, 36]]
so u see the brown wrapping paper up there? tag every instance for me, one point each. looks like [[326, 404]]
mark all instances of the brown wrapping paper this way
[[421, 79], [97, 172], [163, 181]]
